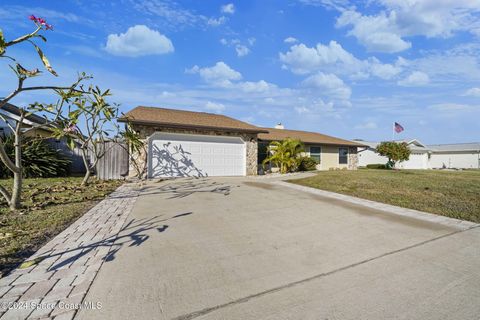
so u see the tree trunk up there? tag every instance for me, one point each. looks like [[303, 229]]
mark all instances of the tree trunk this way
[[88, 172], [17, 176], [86, 177]]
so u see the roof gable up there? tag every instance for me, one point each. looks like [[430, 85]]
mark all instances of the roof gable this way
[[416, 143]]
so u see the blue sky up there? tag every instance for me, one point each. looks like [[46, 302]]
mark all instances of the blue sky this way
[[345, 68]]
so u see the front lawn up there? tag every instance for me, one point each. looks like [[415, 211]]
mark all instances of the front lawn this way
[[50, 206], [453, 194]]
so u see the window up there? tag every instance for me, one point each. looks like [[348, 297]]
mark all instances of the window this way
[[343, 155], [262, 152], [315, 153]]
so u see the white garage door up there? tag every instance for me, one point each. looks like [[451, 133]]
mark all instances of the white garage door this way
[[186, 155], [416, 161]]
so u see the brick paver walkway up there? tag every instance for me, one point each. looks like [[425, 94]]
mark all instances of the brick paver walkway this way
[[56, 286]]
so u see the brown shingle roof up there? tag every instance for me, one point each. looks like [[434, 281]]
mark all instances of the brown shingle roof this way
[[304, 136], [186, 119]]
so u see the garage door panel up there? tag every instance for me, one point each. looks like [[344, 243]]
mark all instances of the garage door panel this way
[[195, 155], [415, 161]]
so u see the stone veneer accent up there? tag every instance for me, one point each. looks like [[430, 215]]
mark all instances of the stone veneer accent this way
[[352, 158], [249, 138]]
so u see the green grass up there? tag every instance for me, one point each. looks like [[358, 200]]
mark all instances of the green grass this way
[[50, 206], [453, 194]]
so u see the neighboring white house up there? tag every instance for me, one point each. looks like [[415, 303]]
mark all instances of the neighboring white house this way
[[458, 156], [419, 157], [9, 115]]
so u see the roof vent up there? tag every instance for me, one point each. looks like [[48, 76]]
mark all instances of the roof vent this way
[[279, 126]]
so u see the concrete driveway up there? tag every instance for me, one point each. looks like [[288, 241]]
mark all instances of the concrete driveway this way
[[246, 249]]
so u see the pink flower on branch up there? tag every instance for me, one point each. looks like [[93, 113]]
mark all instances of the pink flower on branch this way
[[40, 21], [70, 129]]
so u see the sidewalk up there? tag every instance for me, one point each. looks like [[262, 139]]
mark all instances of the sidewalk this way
[[56, 286]]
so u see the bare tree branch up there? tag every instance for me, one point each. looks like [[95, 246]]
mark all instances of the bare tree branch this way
[[6, 160], [23, 38], [5, 194]]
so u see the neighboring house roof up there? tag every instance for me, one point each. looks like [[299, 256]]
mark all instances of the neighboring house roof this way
[[455, 147], [186, 119], [306, 137], [13, 112], [369, 144], [413, 144]]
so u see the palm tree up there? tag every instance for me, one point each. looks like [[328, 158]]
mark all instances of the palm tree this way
[[285, 154]]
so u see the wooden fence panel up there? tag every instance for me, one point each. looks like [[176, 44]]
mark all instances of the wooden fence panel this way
[[114, 164]]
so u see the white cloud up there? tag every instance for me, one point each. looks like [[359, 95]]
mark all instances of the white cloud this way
[[215, 22], [473, 92], [138, 41], [450, 107], [367, 125], [318, 105], [386, 30], [215, 107], [259, 86], [220, 74], [302, 59], [329, 85], [242, 50], [19, 12], [330, 4], [376, 33], [333, 58], [415, 79], [228, 8], [434, 18], [174, 16], [302, 109], [290, 40], [385, 71]]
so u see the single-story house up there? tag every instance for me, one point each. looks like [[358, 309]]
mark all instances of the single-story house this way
[[419, 157], [328, 151], [186, 143], [459, 155], [10, 114]]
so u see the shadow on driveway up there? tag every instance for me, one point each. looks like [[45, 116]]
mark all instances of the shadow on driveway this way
[[184, 188]]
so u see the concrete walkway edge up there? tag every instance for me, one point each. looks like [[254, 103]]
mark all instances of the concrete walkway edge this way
[[420, 215], [55, 287]]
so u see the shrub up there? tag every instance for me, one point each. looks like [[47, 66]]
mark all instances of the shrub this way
[[307, 164], [284, 154], [376, 166], [395, 152], [39, 159]]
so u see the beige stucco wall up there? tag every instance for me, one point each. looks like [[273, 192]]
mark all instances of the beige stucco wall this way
[[249, 138], [329, 157]]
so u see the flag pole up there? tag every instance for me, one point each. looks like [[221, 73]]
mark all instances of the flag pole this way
[[393, 131]]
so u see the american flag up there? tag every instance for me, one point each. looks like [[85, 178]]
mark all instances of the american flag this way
[[398, 127]]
